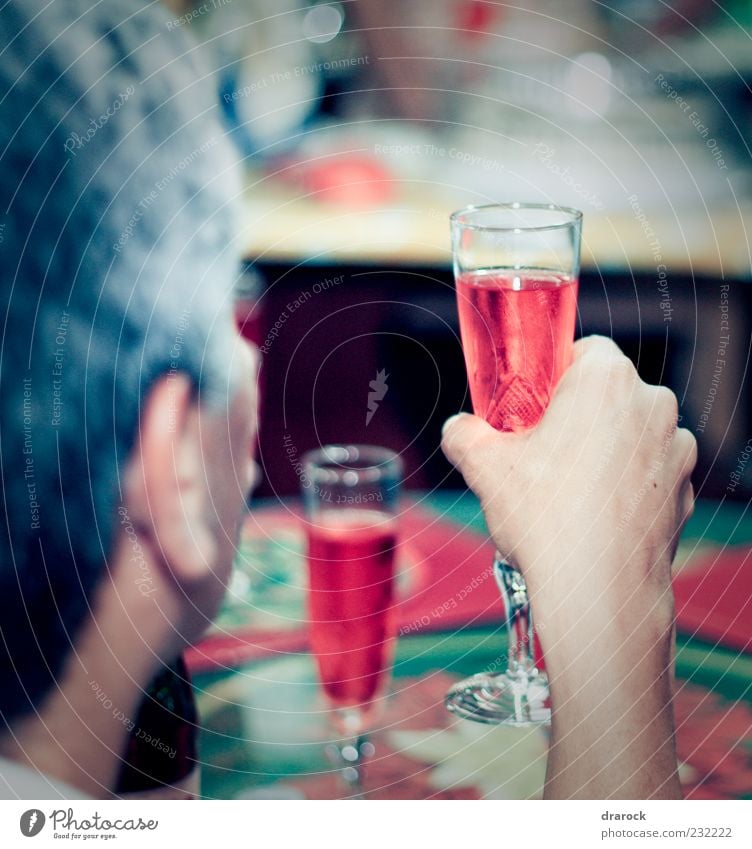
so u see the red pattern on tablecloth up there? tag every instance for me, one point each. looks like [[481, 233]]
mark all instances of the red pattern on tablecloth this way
[[714, 740], [451, 586], [714, 737], [714, 598], [394, 775]]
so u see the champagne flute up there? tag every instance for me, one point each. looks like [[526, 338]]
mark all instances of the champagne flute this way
[[350, 494], [516, 270]]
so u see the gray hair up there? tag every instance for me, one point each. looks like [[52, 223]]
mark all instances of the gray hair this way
[[117, 261]]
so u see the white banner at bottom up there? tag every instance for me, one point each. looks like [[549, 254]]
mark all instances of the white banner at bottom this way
[[375, 825]]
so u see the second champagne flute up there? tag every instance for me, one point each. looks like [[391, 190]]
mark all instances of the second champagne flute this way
[[350, 494]]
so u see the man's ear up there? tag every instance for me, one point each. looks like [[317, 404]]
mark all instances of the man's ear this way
[[165, 486]]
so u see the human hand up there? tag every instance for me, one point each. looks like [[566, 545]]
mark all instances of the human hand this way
[[589, 505], [602, 481]]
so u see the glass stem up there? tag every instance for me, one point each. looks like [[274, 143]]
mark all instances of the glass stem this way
[[520, 631], [350, 753], [350, 758], [352, 765]]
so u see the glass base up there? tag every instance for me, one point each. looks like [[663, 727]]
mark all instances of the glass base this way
[[502, 699]]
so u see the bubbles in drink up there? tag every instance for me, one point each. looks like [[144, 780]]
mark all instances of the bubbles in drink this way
[[351, 554], [517, 332]]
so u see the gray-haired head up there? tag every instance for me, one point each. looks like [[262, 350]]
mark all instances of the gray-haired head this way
[[116, 256]]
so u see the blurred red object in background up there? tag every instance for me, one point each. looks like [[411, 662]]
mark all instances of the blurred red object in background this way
[[348, 179]]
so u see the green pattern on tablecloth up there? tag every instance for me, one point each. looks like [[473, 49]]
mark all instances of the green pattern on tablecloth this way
[[267, 721]]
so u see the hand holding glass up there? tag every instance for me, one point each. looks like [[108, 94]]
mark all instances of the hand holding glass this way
[[516, 269]]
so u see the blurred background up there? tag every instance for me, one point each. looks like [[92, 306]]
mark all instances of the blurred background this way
[[362, 125]]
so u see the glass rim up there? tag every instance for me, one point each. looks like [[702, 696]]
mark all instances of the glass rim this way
[[456, 218], [328, 462]]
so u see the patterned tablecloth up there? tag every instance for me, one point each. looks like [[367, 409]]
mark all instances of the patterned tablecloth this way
[[266, 726]]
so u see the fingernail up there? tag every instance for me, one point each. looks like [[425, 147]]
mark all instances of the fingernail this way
[[450, 422]]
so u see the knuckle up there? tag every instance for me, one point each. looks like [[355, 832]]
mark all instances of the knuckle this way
[[687, 445], [665, 405], [449, 444], [689, 508], [612, 371], [476, 454], [464, 448], [622, 368], [599, 347], [480, 468]]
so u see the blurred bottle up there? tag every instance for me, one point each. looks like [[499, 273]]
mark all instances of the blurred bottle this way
[[249, 318], [160, 760], [249, 292]]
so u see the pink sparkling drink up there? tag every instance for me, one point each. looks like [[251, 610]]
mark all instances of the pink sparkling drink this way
[[517, 333], [351, 603]]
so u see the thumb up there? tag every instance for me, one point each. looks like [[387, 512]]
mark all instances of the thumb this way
[[476, 449]]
